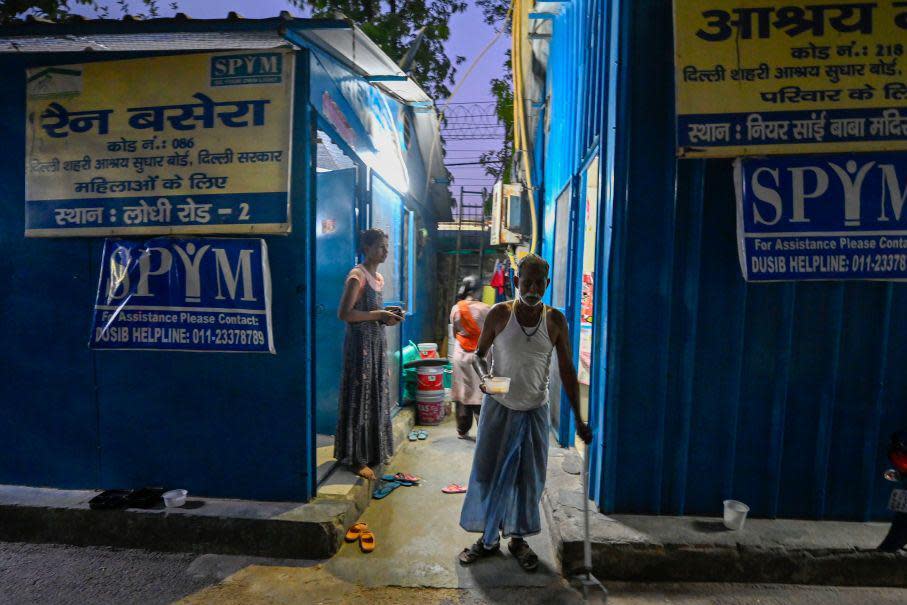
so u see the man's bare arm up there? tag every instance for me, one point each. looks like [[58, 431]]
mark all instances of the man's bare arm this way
[[489, 332], [567, 371]]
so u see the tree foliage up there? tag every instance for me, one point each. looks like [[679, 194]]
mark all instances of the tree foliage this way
[[498, 163], [59, 10], [496, 13], [394, 25]]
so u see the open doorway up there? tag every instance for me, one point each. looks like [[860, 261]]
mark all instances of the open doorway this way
[[587, 276], [336, 227], [573, 275], [560, 280]]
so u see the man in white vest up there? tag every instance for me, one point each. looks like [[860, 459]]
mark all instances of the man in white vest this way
[[510, 462]]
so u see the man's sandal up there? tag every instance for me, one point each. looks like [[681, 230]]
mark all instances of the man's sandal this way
[[476, 552], [527, 559]]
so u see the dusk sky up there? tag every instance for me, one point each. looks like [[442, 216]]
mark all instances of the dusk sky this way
[[469, 35]]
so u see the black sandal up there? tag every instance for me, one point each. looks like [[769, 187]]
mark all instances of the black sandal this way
[[476, 552], [527, 559]]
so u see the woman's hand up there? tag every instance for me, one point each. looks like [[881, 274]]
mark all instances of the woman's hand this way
[[387, 318]]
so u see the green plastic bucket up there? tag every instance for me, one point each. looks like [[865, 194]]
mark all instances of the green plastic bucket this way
[[408, 353]]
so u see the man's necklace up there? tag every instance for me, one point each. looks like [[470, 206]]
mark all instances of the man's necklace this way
[[529, 335]]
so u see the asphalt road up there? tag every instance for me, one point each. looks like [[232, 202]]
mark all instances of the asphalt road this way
[[53, 574]]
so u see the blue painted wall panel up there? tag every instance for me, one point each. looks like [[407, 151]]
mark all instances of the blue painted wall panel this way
[[786, 377], [218, 425], [781, 395], [48, 426]]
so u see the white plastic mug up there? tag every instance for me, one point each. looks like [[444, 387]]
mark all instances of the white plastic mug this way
[[735, 514], [175, 498], [497, 385]]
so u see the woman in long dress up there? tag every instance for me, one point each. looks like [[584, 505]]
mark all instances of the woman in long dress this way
[[467, 317], [364, 433]]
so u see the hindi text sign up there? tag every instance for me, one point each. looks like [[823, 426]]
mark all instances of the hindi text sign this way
[[756, 77], [193, 143]]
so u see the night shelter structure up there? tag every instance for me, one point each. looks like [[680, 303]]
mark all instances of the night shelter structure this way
[[365, 152]]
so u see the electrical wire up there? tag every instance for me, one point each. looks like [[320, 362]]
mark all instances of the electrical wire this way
[[521, 137], [472, 65]]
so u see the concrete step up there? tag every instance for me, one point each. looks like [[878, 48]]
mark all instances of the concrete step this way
[[649, 548], [312, 530]]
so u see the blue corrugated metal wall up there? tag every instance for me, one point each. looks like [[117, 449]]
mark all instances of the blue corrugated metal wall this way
[[218, 425], [780, 395], [579, 91], [575, 89]]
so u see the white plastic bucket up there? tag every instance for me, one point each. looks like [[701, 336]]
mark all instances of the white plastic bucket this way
[[428, 350], [735, 514]]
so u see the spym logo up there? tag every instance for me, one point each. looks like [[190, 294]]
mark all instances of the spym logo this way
[[241, 70], [813, 182], [157, 262]]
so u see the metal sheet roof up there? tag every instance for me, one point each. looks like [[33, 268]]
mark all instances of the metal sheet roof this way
[[162, 41], [350, 45], [340, 37]]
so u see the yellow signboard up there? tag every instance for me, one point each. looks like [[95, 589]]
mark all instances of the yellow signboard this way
[[194, 143], [756, 77]]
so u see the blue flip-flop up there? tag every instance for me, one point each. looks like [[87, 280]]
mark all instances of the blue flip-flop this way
[[392, 479], [422, 435], [413, 435], [386, 488]]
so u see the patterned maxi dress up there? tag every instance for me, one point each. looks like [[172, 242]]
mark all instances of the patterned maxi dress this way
[[364, 431]]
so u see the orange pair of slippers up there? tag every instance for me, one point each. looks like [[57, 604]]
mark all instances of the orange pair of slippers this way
[[361, 532]]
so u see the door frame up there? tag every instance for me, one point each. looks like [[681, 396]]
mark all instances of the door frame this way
[[573, 295], [361, 203], [565, 427], [402, 263]]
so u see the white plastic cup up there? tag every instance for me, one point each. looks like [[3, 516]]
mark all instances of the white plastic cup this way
[[497, 385], [735, 514], [175, 498]]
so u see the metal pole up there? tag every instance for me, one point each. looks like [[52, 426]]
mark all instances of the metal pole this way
[[482, 238], [456, 273]]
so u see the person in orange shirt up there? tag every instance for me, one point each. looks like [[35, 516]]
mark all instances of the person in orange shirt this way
[[467, 318]]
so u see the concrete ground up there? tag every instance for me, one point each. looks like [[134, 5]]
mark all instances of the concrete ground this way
[[418, 539], [417, 528], [33, 574], [650, 548]]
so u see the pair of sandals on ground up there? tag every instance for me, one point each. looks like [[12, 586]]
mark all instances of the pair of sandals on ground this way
[[518, 547], [417, 435], [361, 532], [391, 482]]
